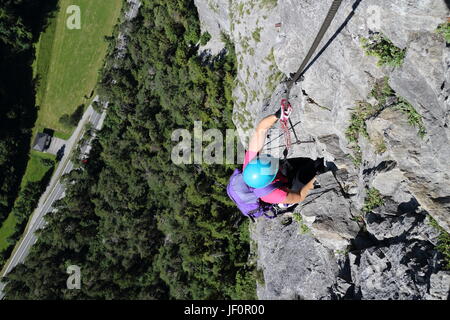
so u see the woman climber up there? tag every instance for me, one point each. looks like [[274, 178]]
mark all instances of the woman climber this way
[[296, 175]]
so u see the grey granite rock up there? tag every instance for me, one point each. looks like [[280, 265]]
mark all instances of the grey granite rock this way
[[328, 214], [439, 286], [398, 271], [295, 266], [214, 19]]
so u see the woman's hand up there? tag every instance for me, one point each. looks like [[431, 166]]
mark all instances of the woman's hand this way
[[259, 136]]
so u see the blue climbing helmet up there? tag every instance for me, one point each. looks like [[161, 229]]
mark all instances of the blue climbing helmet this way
[[261, 171]]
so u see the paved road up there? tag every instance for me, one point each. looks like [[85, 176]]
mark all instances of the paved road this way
[[54, 191]]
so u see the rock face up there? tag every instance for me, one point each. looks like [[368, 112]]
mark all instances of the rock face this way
[[396, 271], [332, 225], [295, 266], [351, 249]]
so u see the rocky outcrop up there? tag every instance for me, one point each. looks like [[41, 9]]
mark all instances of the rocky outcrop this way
[[334, 226], [397, 271], [295, 266], [351, 250]]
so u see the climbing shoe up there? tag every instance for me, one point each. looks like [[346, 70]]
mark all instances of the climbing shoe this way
[[285, 206]]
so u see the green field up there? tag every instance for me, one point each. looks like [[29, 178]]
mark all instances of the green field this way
[[68, 61], [6, 230], [35, 168], [35, 172]]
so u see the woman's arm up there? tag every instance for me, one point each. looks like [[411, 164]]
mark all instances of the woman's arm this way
[[296, 197], [259, 136]]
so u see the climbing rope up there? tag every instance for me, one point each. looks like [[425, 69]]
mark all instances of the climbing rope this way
[[301, 70], [326, 24]]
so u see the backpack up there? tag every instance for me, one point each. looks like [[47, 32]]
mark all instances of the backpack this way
[[247, 198]]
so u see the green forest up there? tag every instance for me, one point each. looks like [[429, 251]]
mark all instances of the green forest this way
[[138, 226]]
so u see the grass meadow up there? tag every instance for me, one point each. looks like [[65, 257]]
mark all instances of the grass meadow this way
[[68, 61]]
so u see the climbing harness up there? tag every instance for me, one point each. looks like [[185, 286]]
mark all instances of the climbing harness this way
[[286, 110], [301, 70]]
